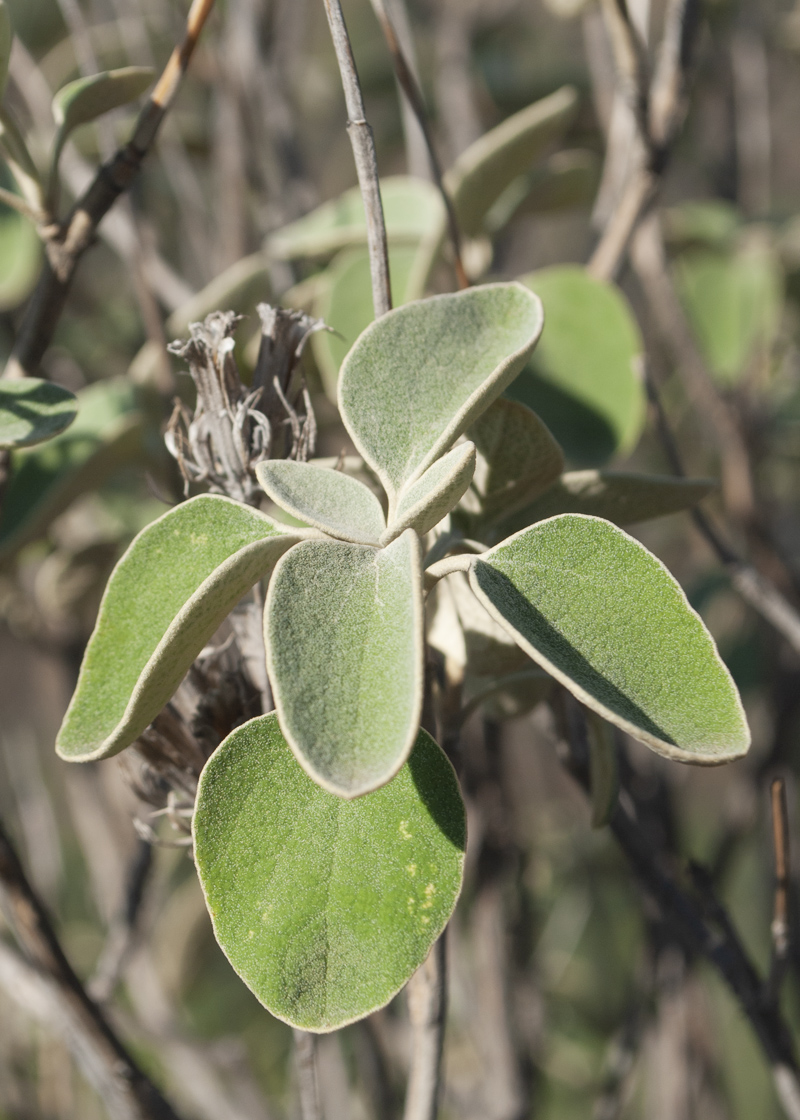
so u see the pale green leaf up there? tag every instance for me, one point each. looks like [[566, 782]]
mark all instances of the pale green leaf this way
[[19, 159], [565, 180], [595, 609], [106, 434], [469, 636], [6, 39], [481, 173], [411, 209], [518, 459], [330, 500], [32, 411], [425, 502], [175, 585], [615, 495], [325, 907], [343, 629], [20, 259], [733, 301], [344, 304], [710, 222], [584, 379], [419, 376]]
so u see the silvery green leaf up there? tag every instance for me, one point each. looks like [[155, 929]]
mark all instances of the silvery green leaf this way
[[32, 411], [481, 173], [175, 585], [584, 379], [328, 499], [464, 631], [343, 631], [419, 376], [425, 502], [325, 907], [617, 496], [600, 613]]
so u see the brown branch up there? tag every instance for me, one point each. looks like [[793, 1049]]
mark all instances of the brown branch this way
[[363, 145], [77, 232], [427, 1005], [780, 916], [125, 1087], [305, 1058], [410, 87]]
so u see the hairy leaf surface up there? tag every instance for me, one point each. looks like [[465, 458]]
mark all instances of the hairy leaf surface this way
[[325, 907], [328, 499], [419, 376], [606, 618], [32, 411], [343, 629], [425, 502], [177, 582]]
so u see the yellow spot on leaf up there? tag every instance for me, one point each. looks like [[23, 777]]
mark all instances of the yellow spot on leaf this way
[[411, 868], [403, 828]]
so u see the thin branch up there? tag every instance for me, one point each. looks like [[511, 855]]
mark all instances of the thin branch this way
[[363, 145], [427, 1006], [127, 1090], [305, 1057], [77, 232], [780, 916], [410, 86]]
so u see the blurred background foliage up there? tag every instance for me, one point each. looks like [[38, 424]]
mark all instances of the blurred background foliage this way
[[569, 996]]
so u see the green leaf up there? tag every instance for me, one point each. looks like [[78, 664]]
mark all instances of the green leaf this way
[[15, 151], [518, 459], [238, 288], [411, 209], [344, 637], [106, 434], [425, 502], [419, 376], [344, 303], [20, 259], [601, 614], [469, 636], [6, 39], [584, 378], [711, 223], [177, 582], [566, 180], [733, 301], [614, 495], [481, 173], [328, 499], [325, 907], [32, 411]]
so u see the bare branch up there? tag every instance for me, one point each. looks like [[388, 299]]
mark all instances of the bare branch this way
[[780, 915], [305, 1056], [427, 1004]]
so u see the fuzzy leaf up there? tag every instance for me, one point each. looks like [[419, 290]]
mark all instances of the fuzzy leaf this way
[[411, 208], [6, 39], [20, 259], [32, 411], [106, 434], [325, 907], [584, 378], [330, 500], [605, 617], [419, 376], [614, 495], [177, 582], [343, 629], [344, 303], [518, 459], [481, 173], [425, 502]]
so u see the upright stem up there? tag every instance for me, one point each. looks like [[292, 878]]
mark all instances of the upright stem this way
[[427, 1008], [363, 144], [305, 1056]]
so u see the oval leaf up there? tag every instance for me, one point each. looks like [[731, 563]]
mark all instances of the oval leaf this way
[[328, 499], [325, 907], [20, 259], [613, 495], [584, 378], [423, 504], [175, 585], [343, 629], [32, 411], [85, 99], [481, 173], [419, 376], [565, 180], [606, 618]]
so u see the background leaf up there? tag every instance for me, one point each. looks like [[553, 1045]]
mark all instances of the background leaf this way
[[565, 180], [177, 582], [325, 907], [328, 499], [417, 378], [343, 629], [584, 378], [20, 259], [32, 411], [6, 39], [606, 618]]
